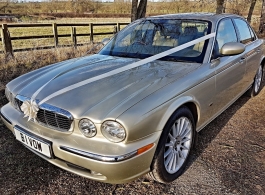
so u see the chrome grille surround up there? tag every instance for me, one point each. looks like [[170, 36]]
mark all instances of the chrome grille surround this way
[[50, 116]]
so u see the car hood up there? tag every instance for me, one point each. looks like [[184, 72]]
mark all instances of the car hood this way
[[105, 98]]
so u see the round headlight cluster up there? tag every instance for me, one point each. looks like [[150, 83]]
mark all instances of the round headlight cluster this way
[[87, 128], [113, 131]]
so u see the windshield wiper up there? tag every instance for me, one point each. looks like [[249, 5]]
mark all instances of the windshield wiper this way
[[130, 55], [178, 60], [123, 55]]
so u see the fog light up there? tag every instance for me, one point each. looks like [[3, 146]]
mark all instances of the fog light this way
[[87, 128]]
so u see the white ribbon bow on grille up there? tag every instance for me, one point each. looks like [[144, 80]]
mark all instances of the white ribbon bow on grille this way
[[30, 109]]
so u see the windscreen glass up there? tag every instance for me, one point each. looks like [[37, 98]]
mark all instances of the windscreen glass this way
[[145, 38]]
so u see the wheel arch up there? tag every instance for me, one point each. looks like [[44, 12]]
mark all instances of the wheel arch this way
[[194, 110], [262, 61], [187, 101], [193, 107]]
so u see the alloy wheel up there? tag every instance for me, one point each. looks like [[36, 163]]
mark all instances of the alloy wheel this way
[[178, 145]]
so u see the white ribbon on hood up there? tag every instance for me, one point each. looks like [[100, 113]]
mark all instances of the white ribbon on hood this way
[[31, 111]]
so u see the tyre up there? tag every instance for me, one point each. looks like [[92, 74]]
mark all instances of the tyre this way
[[256, 86], [174, 147]]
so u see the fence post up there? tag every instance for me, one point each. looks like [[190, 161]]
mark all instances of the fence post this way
[[91, 32], [73, 36], [118, 26], [55, 34], [6, 41], [115, 30]]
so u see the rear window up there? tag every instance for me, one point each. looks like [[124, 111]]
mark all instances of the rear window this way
[[244, 31]]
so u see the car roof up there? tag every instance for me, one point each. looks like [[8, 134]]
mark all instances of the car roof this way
[[199, 16]]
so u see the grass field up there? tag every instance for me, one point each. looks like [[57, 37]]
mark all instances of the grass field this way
[[33, 31]]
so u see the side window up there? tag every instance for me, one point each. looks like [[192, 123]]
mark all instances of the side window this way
[[225, 33], [243, 30], [252, 33]]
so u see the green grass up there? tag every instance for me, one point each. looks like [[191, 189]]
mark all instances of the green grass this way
[[34, 31]]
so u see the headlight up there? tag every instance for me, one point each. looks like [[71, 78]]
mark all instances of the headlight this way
[[87, 128], [113, 131]]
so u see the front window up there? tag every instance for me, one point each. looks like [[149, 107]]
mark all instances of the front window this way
[[145, 38], [226, 33]]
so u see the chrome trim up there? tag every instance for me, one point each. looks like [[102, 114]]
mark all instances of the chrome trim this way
[[6, 119], [48, 107], [22, 98], [54, 109], [99, 157]]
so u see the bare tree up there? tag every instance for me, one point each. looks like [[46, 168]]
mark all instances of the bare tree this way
[[138, 11], [251, 9], [262, 17], [220, 6]]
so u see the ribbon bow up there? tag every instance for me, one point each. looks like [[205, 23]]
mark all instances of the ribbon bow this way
[[30, 109]]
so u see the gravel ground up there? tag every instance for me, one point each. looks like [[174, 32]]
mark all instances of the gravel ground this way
[[229, 159]]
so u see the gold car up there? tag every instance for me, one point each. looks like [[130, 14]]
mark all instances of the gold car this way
[[137, 105]]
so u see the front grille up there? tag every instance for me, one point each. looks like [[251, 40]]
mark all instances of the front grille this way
[[53, 119], [51, 116]]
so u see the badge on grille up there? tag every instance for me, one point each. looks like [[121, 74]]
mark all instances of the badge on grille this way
[[30, 109]]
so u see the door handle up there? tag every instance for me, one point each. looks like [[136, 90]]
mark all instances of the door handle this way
[[258, 50]]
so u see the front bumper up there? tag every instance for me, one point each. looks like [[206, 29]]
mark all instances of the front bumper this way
[[121, 171]]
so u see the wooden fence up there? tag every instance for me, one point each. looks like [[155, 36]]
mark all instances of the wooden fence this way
[[6, 38]]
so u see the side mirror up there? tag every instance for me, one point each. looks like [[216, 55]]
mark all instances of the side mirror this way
[[105, 41], [232, 48]]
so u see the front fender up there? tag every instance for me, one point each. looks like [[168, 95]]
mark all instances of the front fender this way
[[175, 105]]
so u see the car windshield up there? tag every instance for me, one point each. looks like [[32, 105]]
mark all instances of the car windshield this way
[[144, 38]]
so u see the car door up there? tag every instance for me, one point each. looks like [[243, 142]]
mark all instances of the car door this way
[[252, 49], [229, 70]]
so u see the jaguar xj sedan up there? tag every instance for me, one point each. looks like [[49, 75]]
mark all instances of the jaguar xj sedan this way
[[135, 107]]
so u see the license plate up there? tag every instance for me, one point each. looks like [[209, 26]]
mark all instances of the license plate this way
[[33, 142]]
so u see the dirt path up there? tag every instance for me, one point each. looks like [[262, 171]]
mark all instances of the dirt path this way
[[229, 159]]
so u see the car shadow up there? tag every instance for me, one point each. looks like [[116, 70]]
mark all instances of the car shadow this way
[[209, 133], [235, 164]]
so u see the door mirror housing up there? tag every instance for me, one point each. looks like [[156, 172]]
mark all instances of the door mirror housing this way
[[232, 48]]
